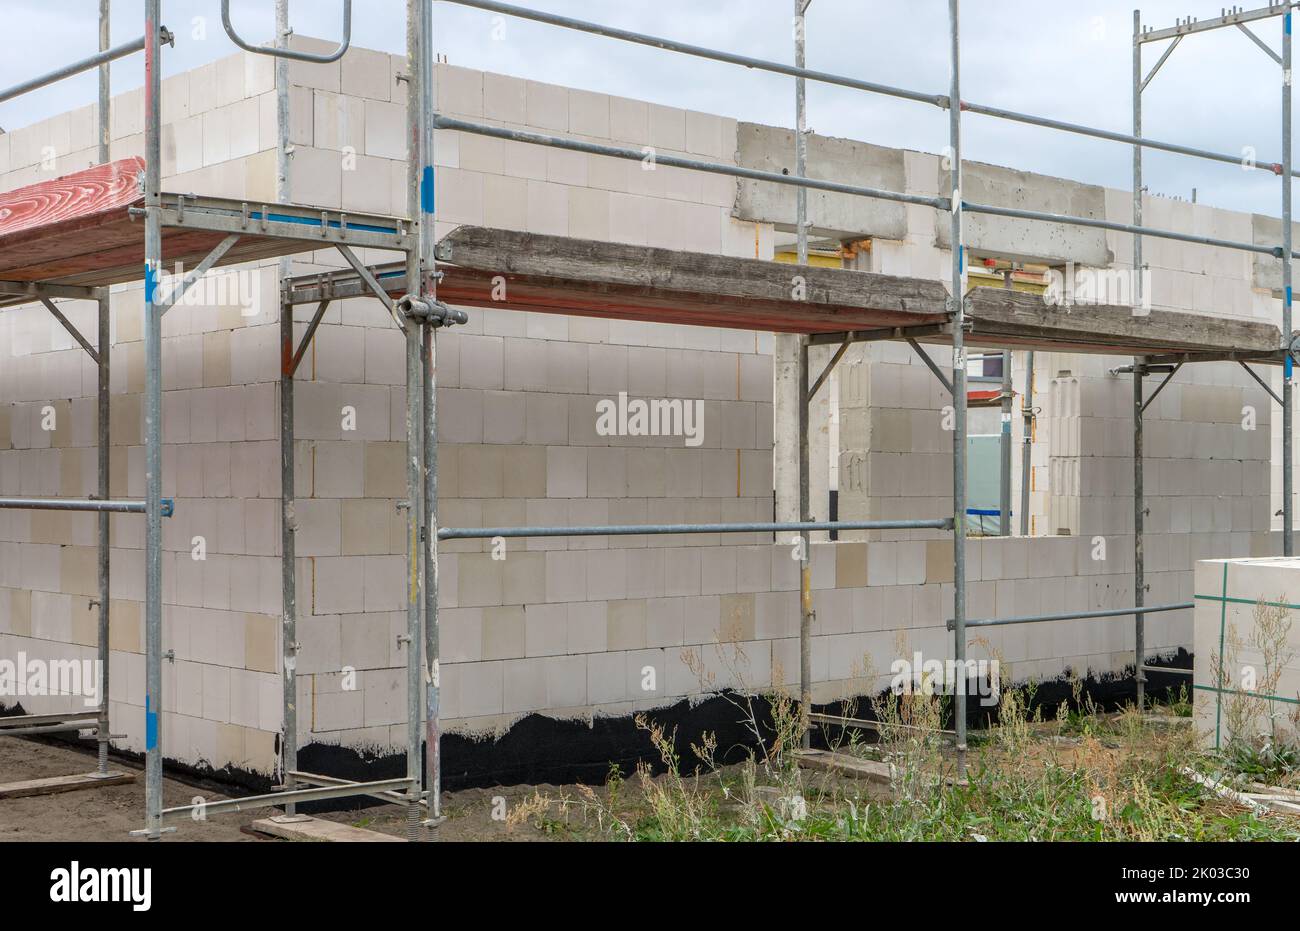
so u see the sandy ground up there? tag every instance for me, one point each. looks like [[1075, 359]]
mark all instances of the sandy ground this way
[[112, 812]]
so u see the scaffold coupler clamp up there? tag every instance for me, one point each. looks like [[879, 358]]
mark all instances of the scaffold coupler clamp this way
[[436, 312]]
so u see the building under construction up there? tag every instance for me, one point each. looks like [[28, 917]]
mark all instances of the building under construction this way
[[353, 407]]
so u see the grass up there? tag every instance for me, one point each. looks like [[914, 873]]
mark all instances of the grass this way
[[1088, 775]]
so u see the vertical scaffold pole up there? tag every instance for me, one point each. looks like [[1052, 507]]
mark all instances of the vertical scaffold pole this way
[[153, 701], [1139, 528], [959, 398], [801, 233], [104, 730], [1288, 452], [414, 639], [429, 291], [1139, 502], [288, 489]]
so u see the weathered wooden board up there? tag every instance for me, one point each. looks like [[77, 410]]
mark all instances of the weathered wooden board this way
[[319, 830], [57, 784], [841, 764], [589, 278], [1003, 317]]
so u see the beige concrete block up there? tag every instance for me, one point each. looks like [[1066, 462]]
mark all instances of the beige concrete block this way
[[938, 561], [85, 624], [503, 632], [216, 359], [736, 618], [524, 576], [548, 106], [366, 73], [482, 470], [339, 121], [385, 470], [385, 130], [850, 565], [79, 570], [317, 176], [366, 524], [20, 612], [260, 641], [588, 213], [525, 686], [504, 98], [124, 631], [54, 527], [525, 472], [505, 203], [626, 625], [629, 120], [480, 580]]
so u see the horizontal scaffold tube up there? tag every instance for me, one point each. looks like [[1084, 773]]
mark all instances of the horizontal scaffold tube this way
[[636, 530], [87, 64], [1077, 615], [83, 504], [675, 161], [839, 80]]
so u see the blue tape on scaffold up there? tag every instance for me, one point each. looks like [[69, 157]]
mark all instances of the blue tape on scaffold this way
[[150, 725], [426, 190]]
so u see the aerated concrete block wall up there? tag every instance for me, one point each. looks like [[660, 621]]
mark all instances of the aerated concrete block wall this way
[[572, 628]]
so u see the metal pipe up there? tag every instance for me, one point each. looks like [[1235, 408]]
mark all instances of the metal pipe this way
[[1027, 444], [674, 161], [1004, 441], [804, 395], [102, 392], [1139, 504], [805, 552], [56, 717], [288, 797], [1268, 389], [282, 52], [153, 417], [83, 504], [670, 45], [414, 639], [105, 84], [428, 289], [634, 530], [1113, 226], [47, 729], [289, 360], [1078, 616], [1139, 526], [86, 64], [1160, 62], [800, 133], [1288, 395], [821, 77], [1190, 25], [103, 469], [959, 397]]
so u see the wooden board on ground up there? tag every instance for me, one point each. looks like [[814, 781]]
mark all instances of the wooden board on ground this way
[[57, 784], [319, 830], [841, 764]]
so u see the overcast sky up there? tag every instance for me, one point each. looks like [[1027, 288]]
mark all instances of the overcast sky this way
[[1072, 61]]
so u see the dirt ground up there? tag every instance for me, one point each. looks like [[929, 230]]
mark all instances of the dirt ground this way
[[112, 812]]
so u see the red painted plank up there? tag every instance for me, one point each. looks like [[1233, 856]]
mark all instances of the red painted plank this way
[[82, 194]]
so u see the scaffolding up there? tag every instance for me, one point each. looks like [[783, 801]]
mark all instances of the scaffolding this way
[[409, 292]]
